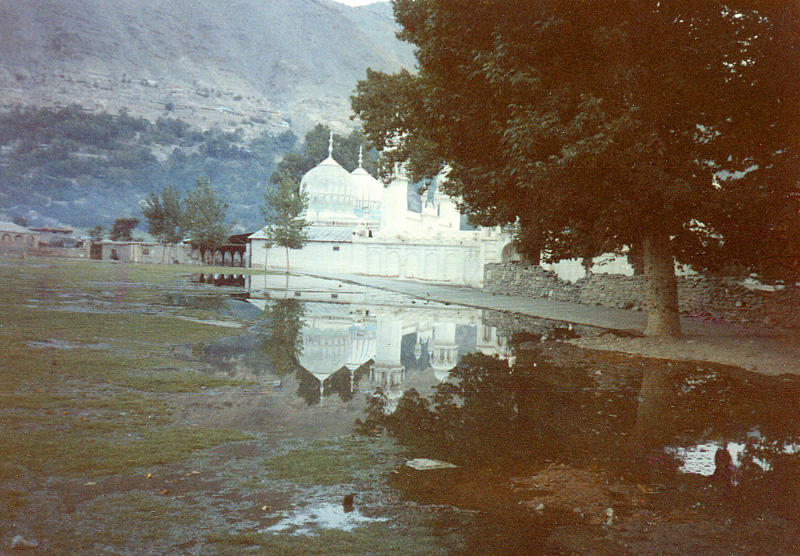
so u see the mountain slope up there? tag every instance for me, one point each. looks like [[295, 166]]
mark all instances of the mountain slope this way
[[278, 55], [251, 68]]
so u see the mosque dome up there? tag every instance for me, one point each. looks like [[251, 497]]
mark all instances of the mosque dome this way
[[330, 184], [330, 188], [362, 347], [370, 190]]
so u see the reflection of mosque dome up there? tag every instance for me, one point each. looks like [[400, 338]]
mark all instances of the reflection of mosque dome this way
[[444, 358], [328, 183], [324, 351], [362, 347]]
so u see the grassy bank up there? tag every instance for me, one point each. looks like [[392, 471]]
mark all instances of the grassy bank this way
[[111, 441], [87, 363]]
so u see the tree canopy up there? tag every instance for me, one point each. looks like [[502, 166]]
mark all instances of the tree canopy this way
[[599, 125], [284, 205], [165, 215], [122, 229], [205, 217]]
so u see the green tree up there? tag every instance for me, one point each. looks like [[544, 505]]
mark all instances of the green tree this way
[[122, 228], [284, 205], [669, 126], [205, 218], [165, 215], [96, 234]]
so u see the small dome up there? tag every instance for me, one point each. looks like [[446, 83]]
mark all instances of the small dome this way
[[370, 190]]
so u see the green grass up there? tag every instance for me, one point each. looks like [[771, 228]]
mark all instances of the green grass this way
[[91, 451], [377, 538], [61, 270], [329, 462], [114, 523], [82, 411]]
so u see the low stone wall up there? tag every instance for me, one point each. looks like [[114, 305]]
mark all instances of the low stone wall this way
[[60, 252], [722, 299]]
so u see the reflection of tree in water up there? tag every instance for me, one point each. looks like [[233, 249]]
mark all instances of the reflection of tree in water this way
[[281, 341], [625, 413], [729, 407], [307, 386]]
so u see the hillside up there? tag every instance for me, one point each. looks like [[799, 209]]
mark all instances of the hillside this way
[[292, 61], [262, 67]]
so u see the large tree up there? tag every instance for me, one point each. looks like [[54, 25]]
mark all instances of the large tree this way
[[205, 218], [285, 204], [165, 216], [667, 126]]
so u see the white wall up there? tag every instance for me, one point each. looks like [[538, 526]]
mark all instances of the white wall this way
[[455, 262]]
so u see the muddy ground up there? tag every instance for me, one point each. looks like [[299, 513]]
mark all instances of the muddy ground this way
[[124, 434], [600, 500]]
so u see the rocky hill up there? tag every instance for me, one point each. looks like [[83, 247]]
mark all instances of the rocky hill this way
[[256, 66], [289, 62]]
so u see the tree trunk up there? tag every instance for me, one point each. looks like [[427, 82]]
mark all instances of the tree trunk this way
[[287, 260], [662, 288]]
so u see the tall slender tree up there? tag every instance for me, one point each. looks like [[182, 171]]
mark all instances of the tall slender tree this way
[[165, 216], [284, 206], [667, 126], [205, 218]]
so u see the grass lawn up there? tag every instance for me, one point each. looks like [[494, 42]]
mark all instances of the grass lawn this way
[[98, 363], [86, 369]]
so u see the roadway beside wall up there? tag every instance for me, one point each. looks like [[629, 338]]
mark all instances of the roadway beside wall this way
[[711, 298]]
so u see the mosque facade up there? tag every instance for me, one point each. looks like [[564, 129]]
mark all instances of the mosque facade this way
[[359, 226]]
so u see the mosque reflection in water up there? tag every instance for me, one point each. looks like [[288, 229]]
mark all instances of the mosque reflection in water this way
[[351, 341]]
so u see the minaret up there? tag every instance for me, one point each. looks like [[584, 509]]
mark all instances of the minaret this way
[[395, 203]]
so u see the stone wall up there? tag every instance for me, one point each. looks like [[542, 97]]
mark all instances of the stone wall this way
[[709, 298], [60, 252]]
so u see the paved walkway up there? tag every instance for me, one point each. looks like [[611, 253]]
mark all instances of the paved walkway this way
[[754, 348]]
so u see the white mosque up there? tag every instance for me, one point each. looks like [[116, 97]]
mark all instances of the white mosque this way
[[360, 226]]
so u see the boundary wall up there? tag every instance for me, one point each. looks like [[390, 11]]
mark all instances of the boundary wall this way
[[710, 298]]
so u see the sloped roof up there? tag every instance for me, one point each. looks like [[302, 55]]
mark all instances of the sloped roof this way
[[318, 233], [13, 228]]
